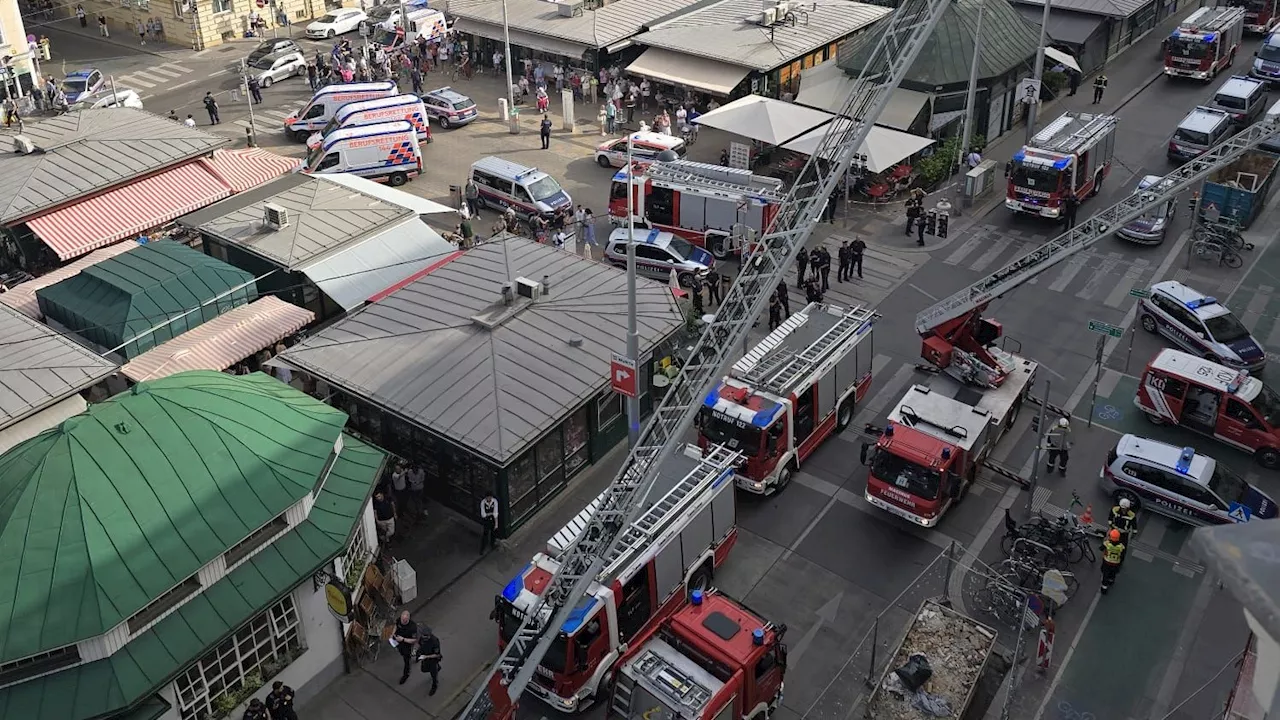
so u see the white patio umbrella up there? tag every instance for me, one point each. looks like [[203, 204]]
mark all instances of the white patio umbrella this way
[[883, 147], [765, 119], [1058, 56]]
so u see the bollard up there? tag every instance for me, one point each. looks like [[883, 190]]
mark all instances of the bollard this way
[[248, 138]]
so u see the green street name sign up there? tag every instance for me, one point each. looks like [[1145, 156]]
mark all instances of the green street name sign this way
[[1105, 329], [1140, 293]]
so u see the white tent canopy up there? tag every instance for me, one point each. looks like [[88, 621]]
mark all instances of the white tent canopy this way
[[883, 147], [1058, 56], [765, 119]]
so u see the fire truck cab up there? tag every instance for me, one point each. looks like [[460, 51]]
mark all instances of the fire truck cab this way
[[793, 390], [1260, 16], [1213, 400], [1069, 157], [714, 659], [1205, 43], [687, 529], [721, 209]]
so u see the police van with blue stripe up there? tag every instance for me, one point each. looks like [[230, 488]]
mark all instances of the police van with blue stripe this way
[[1181, 483], [658, 253], [1200, 325]]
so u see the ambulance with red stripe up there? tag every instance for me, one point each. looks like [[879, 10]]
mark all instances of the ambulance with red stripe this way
[[684, 531], [409, 108], [325, 103], [386, 152], [502, 184], [1215, 400]]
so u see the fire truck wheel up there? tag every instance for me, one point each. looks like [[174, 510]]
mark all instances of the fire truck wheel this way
[[700, 580], [1097, 184], [1268, 458], [784, 479], [1148, 323], [1155, 419], [845, 415], [720, 247]]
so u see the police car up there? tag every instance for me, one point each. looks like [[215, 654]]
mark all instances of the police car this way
[[658, 253], [1181, 483], [1200, 325], [449, 107], [82, 82]]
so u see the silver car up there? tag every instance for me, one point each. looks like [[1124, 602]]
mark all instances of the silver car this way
[[273, 68], [1150, 229]]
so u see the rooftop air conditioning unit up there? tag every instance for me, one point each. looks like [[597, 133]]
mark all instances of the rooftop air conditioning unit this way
[[274, 216], [769, 16], [527, 288], [23, 145], [573, 8], [782, 10]]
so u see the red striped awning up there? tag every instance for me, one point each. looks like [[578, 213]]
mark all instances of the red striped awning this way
[[128, 210], [23, 297], [223, 341], [241, 170]]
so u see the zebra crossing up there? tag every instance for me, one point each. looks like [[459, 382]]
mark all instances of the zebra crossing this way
[[153, 76]]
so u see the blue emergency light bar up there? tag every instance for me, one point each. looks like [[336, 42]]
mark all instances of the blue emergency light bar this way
[[1184, 460], [1061, 164], [1019, 156], [764, 418], [1197, 304], [712, 397], [652, 237]]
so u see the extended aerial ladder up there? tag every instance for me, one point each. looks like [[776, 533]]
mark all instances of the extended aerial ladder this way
[[900, 43], [733, 183], [958, 341], [774, 368]]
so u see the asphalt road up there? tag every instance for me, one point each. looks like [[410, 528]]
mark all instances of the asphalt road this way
[[818, 540]]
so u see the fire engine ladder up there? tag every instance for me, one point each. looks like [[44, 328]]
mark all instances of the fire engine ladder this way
[[726, 189], [1223, 17], [899, 43], [1094, 229], [711, 469], [1078, 139], [777, 371]]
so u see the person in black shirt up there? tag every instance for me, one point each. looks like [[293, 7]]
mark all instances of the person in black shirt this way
[[713, 288], [842, 258], [812, 292], [384, 514], [429, 654], [695, 293], [406, 637], [856, 248], [775, 312], [784, 297], [824, 267], [802, 264], [280, 702], [256, 710]]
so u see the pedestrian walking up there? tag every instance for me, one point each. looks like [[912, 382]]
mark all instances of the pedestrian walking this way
[[10, 108], [405, 639], [589, 230], [824, 267], [1099, 86], [141, 29], [802, 264], [1058, 442], [784, 297], [631, 108], [255, 89], [256, 710], [82, 16], [102, 26], [313, 77], [775, 312], [280, 702], [418, 483], [856, 248], [645, 91], [384, 515], [415, 79], [211, 106], [544, 132], [713, 287], [1069, 208], [429, 656], [488, 522], [842, 260]]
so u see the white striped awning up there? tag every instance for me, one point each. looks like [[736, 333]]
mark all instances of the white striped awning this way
[[247, 168], [223, 341], [23, 297], [128, 210]]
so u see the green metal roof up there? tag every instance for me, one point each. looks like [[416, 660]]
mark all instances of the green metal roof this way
[[1009, 43], [116, 506], [156, 285], [122, 682]]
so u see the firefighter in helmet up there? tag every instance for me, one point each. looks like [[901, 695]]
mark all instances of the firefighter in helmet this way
[[1112, 556], [1123, 519]]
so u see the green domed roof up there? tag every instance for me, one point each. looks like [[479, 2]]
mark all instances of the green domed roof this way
[[113, 508]]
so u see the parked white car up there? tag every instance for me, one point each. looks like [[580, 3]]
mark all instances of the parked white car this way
[[120, 97], [273, 68], [337, 22]]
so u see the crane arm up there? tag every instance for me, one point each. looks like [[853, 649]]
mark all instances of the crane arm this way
[[907, 31], [1084, 235]]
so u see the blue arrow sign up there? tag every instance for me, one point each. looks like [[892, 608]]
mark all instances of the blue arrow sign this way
[[1239, 513]]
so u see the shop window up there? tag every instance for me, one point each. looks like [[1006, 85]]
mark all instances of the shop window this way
[[455, 466], [550, 454], [261, 647], [609, 409], [399, 436], [576, 435], [522, 487], [221, 6]]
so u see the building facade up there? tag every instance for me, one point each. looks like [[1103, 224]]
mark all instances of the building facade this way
[[20, 69], [201, 24]]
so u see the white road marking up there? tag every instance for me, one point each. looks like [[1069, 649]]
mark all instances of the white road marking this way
[[858, 502], [132, 79], [997, 249], [917, 288], [1069, 272], [175, 66]]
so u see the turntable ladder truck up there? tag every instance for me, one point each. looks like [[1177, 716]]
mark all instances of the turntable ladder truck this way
[[900, 41], [957, 340]]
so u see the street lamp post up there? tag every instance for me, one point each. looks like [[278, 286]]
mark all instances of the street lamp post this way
[[512, 118], [973, 84], [1034, 101]]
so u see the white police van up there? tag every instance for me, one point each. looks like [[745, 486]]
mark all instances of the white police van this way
[[1200, 325], [658, 253], [1180, 483]]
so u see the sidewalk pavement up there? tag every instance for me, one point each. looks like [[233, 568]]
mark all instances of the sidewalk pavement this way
[[455, 594]]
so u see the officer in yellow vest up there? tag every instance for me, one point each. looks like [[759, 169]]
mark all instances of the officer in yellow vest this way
[[1124, 519], [1112, 556]]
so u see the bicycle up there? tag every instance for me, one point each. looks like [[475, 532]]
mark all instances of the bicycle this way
[[1003, 600], [1222, 234], [1206, 249], [1030, 577]]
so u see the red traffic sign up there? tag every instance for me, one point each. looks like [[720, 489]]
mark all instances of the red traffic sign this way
[[262, 3], [623, 376]]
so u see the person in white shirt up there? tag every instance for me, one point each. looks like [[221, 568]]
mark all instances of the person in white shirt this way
[[497, 63], [488, 522], [644, 94], [682, 119], [189, 122], [974, 159]]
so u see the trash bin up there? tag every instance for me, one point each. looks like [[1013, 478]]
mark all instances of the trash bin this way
[[406, 581]]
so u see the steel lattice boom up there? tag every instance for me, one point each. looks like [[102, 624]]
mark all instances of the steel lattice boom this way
[[904, 35], [1086, 233]]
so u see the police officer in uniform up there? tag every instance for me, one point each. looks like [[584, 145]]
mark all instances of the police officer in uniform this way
[[802, 264], [842, 257], [1112, 556], [280, 702], [256, 710], [1124, 519], [713, 287], [695, 293]]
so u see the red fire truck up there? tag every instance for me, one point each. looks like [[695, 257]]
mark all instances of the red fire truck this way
[[1069, 157], [1260, 16], [1205, 43], [712, 659], [937, 437], [793, 390], [719, 208], [685, 533]]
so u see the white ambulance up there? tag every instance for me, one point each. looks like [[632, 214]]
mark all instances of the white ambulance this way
[[386, 152], [406, 107], [325, 103]]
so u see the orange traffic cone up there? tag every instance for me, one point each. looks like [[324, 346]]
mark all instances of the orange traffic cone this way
[[1086, 517]]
